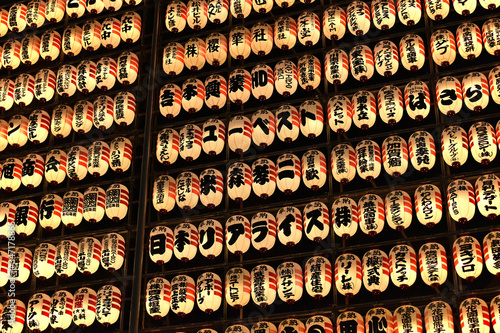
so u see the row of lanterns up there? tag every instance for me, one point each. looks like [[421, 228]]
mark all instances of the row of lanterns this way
[[357, 16], [62, 309], [92, 206], [47, 259]]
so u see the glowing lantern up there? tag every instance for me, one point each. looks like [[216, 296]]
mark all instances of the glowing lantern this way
[[289, 221], [240, 43], [437, 10], [474, 315], [182, 285], [433, 264], [428, 205], [75, 8], [164, 190], [319, 323], [35, 14], [105, 73], [17, 134], [345, 216], [368, 160], [76, 169], [336, 66], [91, 35], [237, 287], [103, 112], [17, 17], [483, 142], [454, 146], [72, 40], [469, 42], [403, 266], [161, 244], [4, 129], [409, 11], [190, 138], [209, 292], [262, 39], [66, 258], [62, 118], [158, 297], [108, 305], [43, 261], [240, 8], [193, 95], [334, 23], [84, 307], [489, 4], [175, 18], [264, 178], [395, 155], [475, 91], [386, 58], [390, 104], [263, 281], [364, 107], [491, 246], [375, 263], [82, 117], [465, 8], [50, 212], [214, 135], [211, 238], [311, 113], [318, 277], [130, 27], [438, 318], [339, 113], [124, 108], [443, 47], [371, 214], [362, 65], [4, 16], [24, 89], [6, 94], [384, 14], [216, 49], [19, 266], [285, 33], [38, 312], [264, 127], [185, 241], [55, 166], [66, 81], [7, 215], [240, 130], [238, 234], [309, 64], [491, 31], [407, 317], [50, 45], [197, 14], [218, 11], [467, 258], [290, 284], [495, 312], [195, 54], [188, 190], [121, 154], [412, 52], [117, 202], [4, 273], [72, 209], [89, 255], [314, 169], [95, 7], [422, 151], [288, 173], [309, 29], [316, 221], [262, 82], [38, 126], [211, 188], [262, 7], [449, 95], [30, 48], [11, 54], [11, 174], [14, 312], [128, 68], [110, 33], [488, 195], [287, 123], [263, 226], [350, 320], [94, 204], [170, 100], [398, 210], [358, 18], [45, 85], [377, 316], [215, 92]]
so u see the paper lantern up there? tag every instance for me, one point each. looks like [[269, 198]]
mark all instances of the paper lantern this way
[[170, 100], [288, 172], [109, 299], [45, 85], [309, 30], [288, 123], [368, 160], [489, 4], [7, 217], [262, 82], [351, 321], [76, 168], [263, 281], [17, 134], [209, 292], [91, 35], [124, 108], [94, 204], [263, 226], [167, 146], [113, 252], [238, 234], [475, 91], [237, 288], [285, 33], [465, 8], [309, 69], [19, 266], [345, 215], [469, 42], [110, 33], [311, 113], [50, 213], [474, 315], [409, 12], [158, 297], [175, 18], [240, 43], [437, 10], [240, 8], [364, 108], [375, 271], [66, 258], [128, 68], [379, 318], [188, 190], [72, 209], [319, 323], [216, 49], [491, 246], [194, 54], [6, 94], [121, 154], [89, 255], [117, 202], [336, 66], [334, 22], [438, 317], [11, 54], [30, 48], [11, 174], [38, 126], [185, 241], [390, 105], [358, 18], [38, 312], [343, 163], [264, 178], [454, 146], [433, 264], [495, 312], [398, 210], [407, 317], [316, 221], [84, 308], [422, 151], [193, 95], [14, 312], [211, 188], [412, 52], [318, 277], [264, 127], [467, 258], [35, 13], [488, 195], [72, 40], [443, 47], [218, 11], [361, 63], [182, 285], [289, 221], [50, 45], [24, 89], [130, 27], [95, 7], [106, 73], [43, 261], [103, 112], [403, 266], [4, 16], [449, 95], [55, 166], [491, 31], [161, 244], [262, 7], [215, 92], [214, 135], [197, 14], [239, 136], [348, 274], [314, 169], [384, 14], [386, 58], [75, 8], [4, 273], [340, 113], [211, 238], [290, 283], [67, 76], [483, 142], [83, 117], [17, 17], [371, 214], [395, 155], [428, 205], [262, 38], [4, 129], [164, 190], [190, 138]]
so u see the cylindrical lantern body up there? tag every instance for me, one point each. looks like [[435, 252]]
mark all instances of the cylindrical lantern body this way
[[89, 255], [26, 218], [488, 195], [358, 18], [475, 91], [433, 264], [443, 47], [375, 271], [66, 258], [287, 123], [361, 62], [239, 134], [461, 200], [38, 312], [109, 299], [84, 308], [412, 52], [403, 266], [32, 172], [238, 234], [190, 138], [407, 317], [209, 292], [364, 108], [239, 181], [474, 316], [285, 33], [215, 92], [469, 41], [290, 226], [188, 190], [417, 100], [454, 146], [185, 241], [211, 238], [237, 287], [395, 155], [211, 188], [309, 69], [422, 151], [182, 285], [50, 214], [72, 209], [164, 190], [263, 283], [316, 221], [94, 204], [369, 161], [158, 296], [438, 318], [290, 282], [43, 261], [117, 202], [371, 214], [318, 277], [175, 18], [61, 310], [386, 57], [161, 244]]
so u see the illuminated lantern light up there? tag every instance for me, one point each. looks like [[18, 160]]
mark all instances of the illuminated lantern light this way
[[287, 123], [161, 244], [188, 190], [240, 43], [50, 212], [128, 68], [194, 54], [412, 52], [11, 55], [211, 189], [117, 202], [417, 100], [237, 328], [398, 210], [316, 221], [263, 281], [45, 85], [362, 64], [215, 92], [4, 129], [121, 154], [89, 255], [91, 35], [449, 95], [384, 14], [336, 66], [124, 108], [395, 155], [364, 107], [368, 160], [386, 58], [216, 49], [409, 11], [340, 114], [182, 285], [50, 45], [103, 112], [218, 11], [66, 81], [288, 173], [318, 277], [193, 95], [175, 17], [378, 315], [352, 321], [348, 268], [475, 91], [437, 10], [285, 33], [213, 138], [371, 217], [343, 163], [43, 261], [483, 142], [314, 169], [24, 89], [110, 33], [290, 227], [106, 314], [66, 258], [38, 126], [158, 297], [240, 130], [454, 146], [422, 151], [264, 227], [290, 284], [76, 168], [286, 78], [6, 94], [72, 209], [240, 8], [94, 204], [4, 16], [407, 316], [467, 258], [197, 14], [345, 216], [55, 166], [390, 104], [75, 8], [489, 4], [311, 113], [185, 251], [474, 315], [264, 178], [376, 263], [262, 82], [334, 23], [264, 128], [84, 307], [433, 264], [72, 40], [96, 7], [488, 195], [428, 205], [438, 318], [17, 17], [30, 50], [319, 323], [358, 18], [7, 214], [14, 311], [209, 292], [164, 190], [130, 27], [237, 288], [262, 38], [309, 30], [11, 178], [83, 116], [17, 135], [262, 7], [403, 266], [443, 47], [469, 42], [210, 246], [20, 268], [495, 313], [38, 312], [170, 100], [236, 242], [490, 246], [106, 73], [465, 8]]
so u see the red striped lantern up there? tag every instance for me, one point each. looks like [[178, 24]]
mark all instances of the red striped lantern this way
[[55, 166], [475, 91], [350, 320], [190, 138], [345, 215], [379, 316], [428, 205], [110, 33], [161, 244], [398, 210], [43, 261], [84, 308], [109, 299], [262, 82], [361, 62], [384, 14], [185, 241], [311, 113], [158, 297], [262, 39], [334, 22], [121, 154], [164, 190], [340, 113], [83, 117], [66, 81], [314, 169], [76, 168], [89, 255], [50, 213], [209, 292], [45, 85], [467, 258], [409, 12], [437, 10], [239, 137], [128, 68], [264, 178], [19, 267], [170, 100], [211, 238], [106, 73], [364, 109], [130, 27], [35, 14], [124, 108], [6, 94], [474, 315], [66, 258], [263, 281], [175, 17], [488, 195], [117, 202], [290, 284], [495, 312], [239, 181], [188, 190], [237, 288], [11, 174], [216, 49], [91, 35], [491, 32], [422, 151], [75, 8], [38, 126], [449, 95], [412, 52], [72, 40], [491, 246], [182, 285], [407, 317], [309, 69], [193, 95], [288, 173], [433, 264], [386, 58], [240, 82], [483, 142], [465, 8], [289, 221], [368, 160], [103, 112], [72, 209], [194, 54], [215, 92], [336, 66], [238, 234], [7, 216], [50, 45], [218, 11], [264, 127], [309, 29], [287, 123], [263, 226], [197, 14], [371, 214], [469, 41], [17, 17], [211, 188], [11, 54], [454, 146], [4, 273], [4, 16], [240, 8], [94, 204], [24, 89], [318, 277], [30, 50], [14, 311], [443, 47], [38, 312], [4, 129], [395, 155], [214, 135], [240, 43], [319, 323], [390, 104], [438, 317], [285, 33], [316, 221], [358, 18], [348, 274], [403, 266]]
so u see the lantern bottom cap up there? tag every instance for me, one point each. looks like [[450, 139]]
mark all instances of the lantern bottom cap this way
[[419, 117], [492, 6], [290, 244], [288, 192], [430, 225], [439, 17], [492, 216], [160, 262], [471, 57], [424, 169], [456, 164], [414, 68], [217, 21], [466, 12]]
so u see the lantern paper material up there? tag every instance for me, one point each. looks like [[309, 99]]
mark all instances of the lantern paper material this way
[[454, 146], [38, 312], [318, 277], [32, 171], [290, 282], [475, 91], [182, 285], [43, 261], [467, 258], [407, 317], [314, 169], [238, 234], [316, 221], [72, 209], [403, 266], [83, 117], [443, 47], [185, 241], [117, 202], [433, 264], [215, 92], [264, 127], [490, 246], [263, 282], [287, 123], [72, 40], [474, 315], [94, 204], [128, 68], [240, 8], [358, 18], [285, 33], [368, 160], [386, 57], [66, 258], [130, 27], [211, 188], [84, 308], [30, 50], [398, 210], [461, 201], [395, 155], [417, 100], [422, 151], [76, 168], [218, 11], [161, 244], [216, 50], [239, 136], [487, 189], [164, 193], [214, 135], [371, 217], [26, 218], [361, 62], [240, 43], [120, 155], [209, 292], [194, 54], [109, 299], [438, 318], [98, 158], [237, 287], [175, 18], [211, 238], [412, 52], [89, 255], [336, 66], [309, 30], [311, 113], [262, 38], [50, 214], [290, 226], [264, 227], [167, 146], [158, 297], [340, 114], [469, 41], [188, 190], [309, 72], [437, 10], [11, 174], [14, 311], [364, 107], [190, 138], [262, 82]]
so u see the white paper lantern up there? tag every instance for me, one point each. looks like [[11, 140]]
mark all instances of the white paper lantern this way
[[17, 135], [121, 154], [113, 252], [14, 311], [319, 323], [438, 317], [215, 92], [488, 195], [24, 89], [345, 217], [194, 54], [83, 117], [89, 255], [38, 126], [94, 204], [211, 238], [491, 246], [240, 130], [185, 241], [361, 63], [467, 258], [164, 190], [474, 315], [263, 281], [209, 292], [495, 312], [117, 202], [454, 146], [390, 104], [287, 123], [38, 312], [475, 91], [216, 49], [75, 8], [35, 14], [343, 163], [375, 271], [290, 283], [6, 94], [188, 190], [45, 85], [407, 317], [311, 113], [19, 265], [437, 10], [193, 95], [72, 40], [130, 27], [110, 33], [358, 18], [72, 209], [43, 261], [214, 135], [128, 68], [334, 23], [309, 69], [398, 210], [211, 188], [238, 234], [384, 14], [11, 174], [443, 47], [158, 297], [340, 113], [98, 158], [412, 52], [91, 35], [348, 274], [336, 66], [76, 168], [240, 43], [161, 244], [289, 221], [66, 258], [262, 38], [371, 217], [309, 30], [350, 320], [314, 169], [316, 221], [264, 128], [264, 178], [395, 155], [469, 41], [409, 12], [17, 17], [433, 264], [490, 34], [403, 266], [175, 17], [170, 100], [84, 308], [386, 57], [61, 310], [449, 95], [240, 8], [379, 316], [30, 50], [364, 107], [66, 81], [288, 173], [483, 142], [428, 205], [237, 288], [239, 181], [7, 215], [106, 73], [55, 166], [197, 14], [422, 151], [50, 45], [264, 227], [318, 277], [285, 33], [218, 11], [4, 129], [108, 306], [124, 108], [262, 82], [369, 162], [103, 112], [50, 213], [4, 16], [11, 54], [465, 8], [182, 285], [95, 6]]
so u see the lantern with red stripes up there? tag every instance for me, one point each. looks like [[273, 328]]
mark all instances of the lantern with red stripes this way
[[24, 89], [94, 204], [398, 210], [38, 312], [55, 166], [390, 104], [334, 22], [454, 146], [50, 45], [287, 123], [182, 285], [263, 226], [368, 160], [11, 174], [483, 142], [240, 8], [61, 310], [66, 258], [194, 54], [340, 113], [7, 215], [175, 18], [76, 168], [43, 261], [495, 313], [262, 7], [488, 195], [384, 14], [437, 10], [474, 316], [164, 190], [407, 318], [109, 299], [264, 174], [314, 169], [6, 94], [130, 27], [364, 107], [409, 12], [4, 129], [263, 281], [103, 112], [188, 190], [290, 282], [386, 58], [89, 255], [319, 324], [491, 32], [345, 217], [422, 151], [289, 221], [240, 83], [161, 244], [121, 154], [350, 320], [62, 118], [216, 49], [84, 308], [117, 202], [4, 16], [262, 39], [35, 14], [190, 138], [106, 73], [239, 181], [211, 238], [72, 209], [491, 245], [469, 41], [11, 54], [91, 35], [309, 30], [19, 265], [170, 100], [475, 91], [316, 221], [45, 85], [240, 130], [361, 63], [197, 14], [211, 188], [240, 43], [237, 287], [412, 52], [38, 126], [433, 264], [67, 76], [185, 241], [403, 266], [95, 7], [285, 33], [128, 68], [358, 18], [371, 214], [262, 82], [50, 212], [336, 66], [209, 292], [449, 95], [438, 317], [379, 316], [264, 127], [173, 58], [428, 205], [113, 252], [309, 69], [75, 8], [467, 258], [318, 277], [375, 264], [215, 92], [395, 155], [193, 95], [17, 17], [83, 117], [288, 173], [237, 242], [465, 8], [13, 314], [30, 50], [443, 47], [72, 40], [110, 33], [218, 11], [4, 273], [124, 108], [214, 135], [311, 113], [158, 296]]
